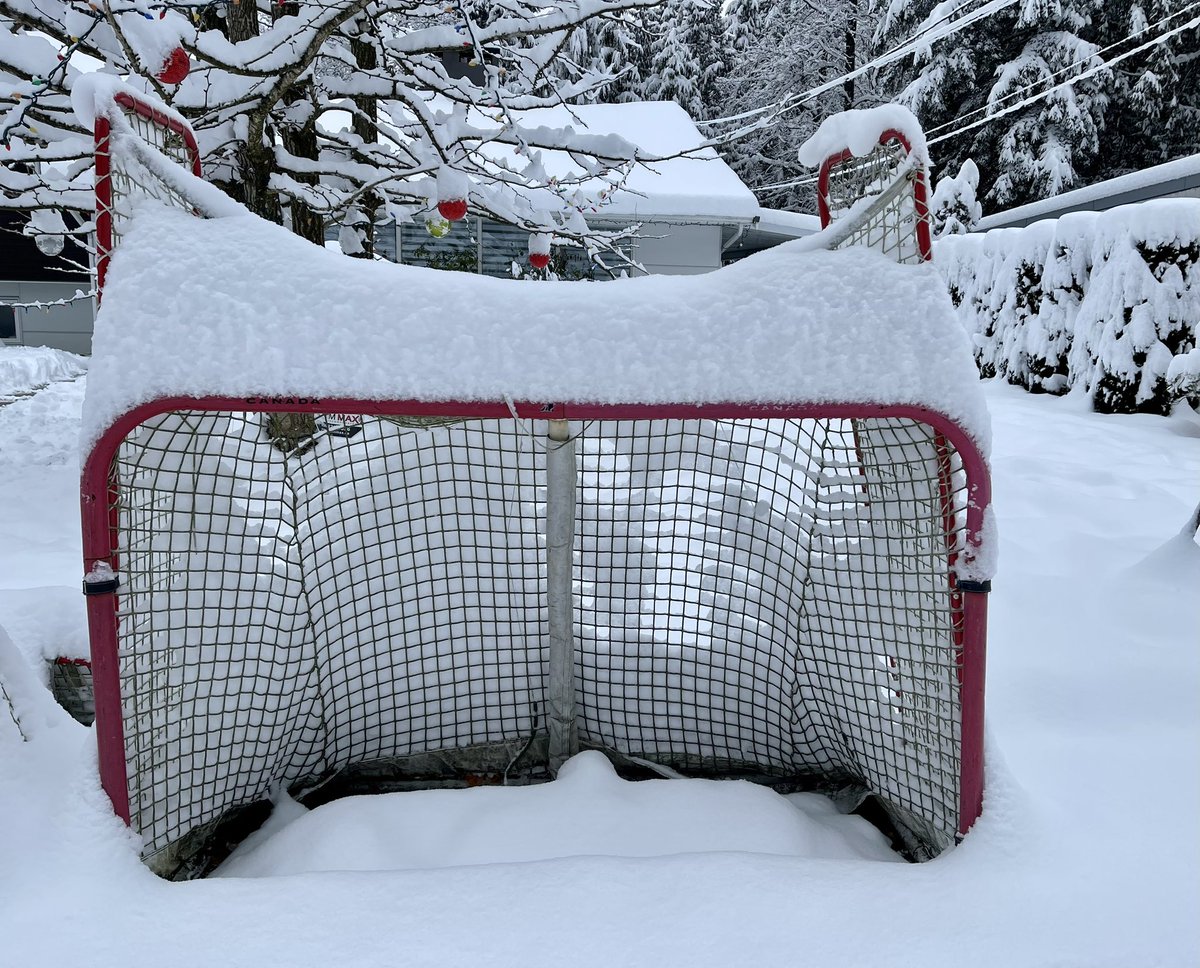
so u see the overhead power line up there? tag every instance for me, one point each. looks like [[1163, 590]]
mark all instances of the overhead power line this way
[[992, 115], [929, 34], [990, 112]]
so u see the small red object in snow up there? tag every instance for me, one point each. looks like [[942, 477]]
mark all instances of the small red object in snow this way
[[539, 260], [452, 209], [175, 68]]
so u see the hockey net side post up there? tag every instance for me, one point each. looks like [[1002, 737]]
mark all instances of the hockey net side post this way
[[880, 200], [118, 179]]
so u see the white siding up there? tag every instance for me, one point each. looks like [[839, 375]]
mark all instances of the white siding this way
[[66, 327], [666, 249]]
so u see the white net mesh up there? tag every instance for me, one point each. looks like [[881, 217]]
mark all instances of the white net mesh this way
[[137, 132], [764, 598], [875, 198], [767, 598]]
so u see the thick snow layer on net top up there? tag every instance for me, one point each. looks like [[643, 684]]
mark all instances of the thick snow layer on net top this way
[[859, 130], [237, 306]]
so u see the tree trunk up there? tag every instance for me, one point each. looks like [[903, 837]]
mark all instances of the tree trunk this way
[[241, 20], [851, 60], [366, 57], [302, 143]]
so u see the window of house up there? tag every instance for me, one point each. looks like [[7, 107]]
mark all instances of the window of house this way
[[8, 322]]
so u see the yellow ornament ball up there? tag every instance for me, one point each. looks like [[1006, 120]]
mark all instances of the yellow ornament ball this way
[[438, 227]]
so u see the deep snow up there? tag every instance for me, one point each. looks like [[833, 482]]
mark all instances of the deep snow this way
[[1086, 854], [792, 324]]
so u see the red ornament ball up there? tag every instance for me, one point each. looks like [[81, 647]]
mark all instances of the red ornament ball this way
[[452, 209], [539, 260], [175, 68]]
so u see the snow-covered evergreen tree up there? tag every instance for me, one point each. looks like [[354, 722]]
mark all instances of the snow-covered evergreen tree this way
[[612, 46], [270, 86], [1043, 147], [995, 64], [954, 207], [687, 56], [1141, 112], [745, 22], [1154, 114]]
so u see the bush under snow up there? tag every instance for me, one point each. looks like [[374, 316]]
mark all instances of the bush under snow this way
[[1103, 302]]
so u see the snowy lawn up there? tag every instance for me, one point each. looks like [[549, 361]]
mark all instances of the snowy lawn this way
[[1088, 852]]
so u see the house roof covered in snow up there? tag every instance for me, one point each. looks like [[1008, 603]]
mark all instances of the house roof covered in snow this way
[[185, 312], [1177, 178], [696, 186]]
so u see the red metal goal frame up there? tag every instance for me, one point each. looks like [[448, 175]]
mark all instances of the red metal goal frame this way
[[100, 525], [920, 190]]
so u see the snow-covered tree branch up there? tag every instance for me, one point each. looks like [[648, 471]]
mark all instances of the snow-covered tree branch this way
[[322, 112]]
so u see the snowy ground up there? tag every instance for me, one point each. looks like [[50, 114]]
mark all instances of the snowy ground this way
[[1088, 853]]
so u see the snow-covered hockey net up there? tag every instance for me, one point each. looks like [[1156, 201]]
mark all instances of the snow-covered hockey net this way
[[880, 198], [132, 133], [467, 592]]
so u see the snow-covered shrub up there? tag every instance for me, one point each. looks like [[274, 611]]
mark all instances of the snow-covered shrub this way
[[1101, 302], [954, 208], [1142, 305], [962, 261], [1183, 377], [995, 281], [1020, 287], [1050, 333]]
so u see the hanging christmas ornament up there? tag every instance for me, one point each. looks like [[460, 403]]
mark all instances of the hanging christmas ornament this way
[[437, 226], [539, 249], [452, 209], [452, 190], [175, 68], [49, 244]]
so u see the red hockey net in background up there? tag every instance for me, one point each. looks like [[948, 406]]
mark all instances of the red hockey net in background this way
[[880, 198], [764, 592], [121, 177]]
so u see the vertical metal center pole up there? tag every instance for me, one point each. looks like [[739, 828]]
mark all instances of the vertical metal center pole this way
[[560, 540]]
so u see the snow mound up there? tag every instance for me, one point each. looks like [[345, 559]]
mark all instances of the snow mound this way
[[238, 307], [587, 811], [23, 368]]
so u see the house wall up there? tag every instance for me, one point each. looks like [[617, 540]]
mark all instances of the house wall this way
[[66, 327], [475, 245], [678, 250]]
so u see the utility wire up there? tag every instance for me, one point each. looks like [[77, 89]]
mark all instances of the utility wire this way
[[1153, 42], [927, 36], [992, 114]]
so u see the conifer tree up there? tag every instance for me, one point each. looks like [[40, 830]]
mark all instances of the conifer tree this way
[[686, 40]]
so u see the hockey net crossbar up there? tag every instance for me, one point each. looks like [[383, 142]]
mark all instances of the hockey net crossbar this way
[[459, 592]]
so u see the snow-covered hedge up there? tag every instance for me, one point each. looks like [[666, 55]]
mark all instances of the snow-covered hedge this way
[[1102, 301]]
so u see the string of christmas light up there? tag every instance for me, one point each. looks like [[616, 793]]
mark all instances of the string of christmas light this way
[[43, 85]]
